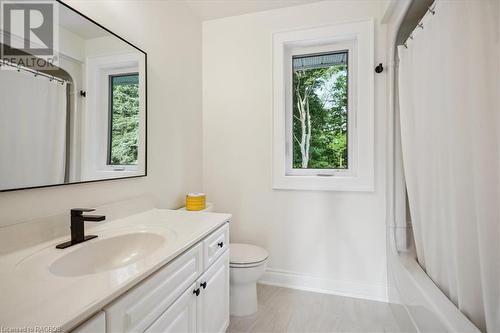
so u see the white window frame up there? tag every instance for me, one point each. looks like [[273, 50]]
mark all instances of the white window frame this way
[[358, 39], [290, 52]]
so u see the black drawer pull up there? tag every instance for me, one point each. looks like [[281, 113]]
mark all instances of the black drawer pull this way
[[221, 244], [196, 292], [203, 285]]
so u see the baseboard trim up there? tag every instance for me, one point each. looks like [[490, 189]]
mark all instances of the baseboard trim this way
[[287, 279]]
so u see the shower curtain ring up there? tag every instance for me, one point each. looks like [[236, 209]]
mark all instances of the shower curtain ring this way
[[420, 25], [404, 44], [433, 12]]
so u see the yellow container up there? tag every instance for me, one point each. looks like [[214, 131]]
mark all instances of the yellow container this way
[[195, 201]]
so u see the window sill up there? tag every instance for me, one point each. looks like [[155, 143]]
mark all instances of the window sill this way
[[322, 183]]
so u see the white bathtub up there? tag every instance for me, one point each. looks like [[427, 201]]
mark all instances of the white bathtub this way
[[427, 307]]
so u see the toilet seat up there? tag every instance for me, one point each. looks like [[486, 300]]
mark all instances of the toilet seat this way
[[246, 255]]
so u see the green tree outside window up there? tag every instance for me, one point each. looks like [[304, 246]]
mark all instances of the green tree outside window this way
[[124, 118], [320, 123]]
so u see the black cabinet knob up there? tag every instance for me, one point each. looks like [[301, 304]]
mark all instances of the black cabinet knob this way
[[221, 244], [203, 285], [196, 292]]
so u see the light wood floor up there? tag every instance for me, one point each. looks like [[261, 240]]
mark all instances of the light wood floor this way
[[289, 310]]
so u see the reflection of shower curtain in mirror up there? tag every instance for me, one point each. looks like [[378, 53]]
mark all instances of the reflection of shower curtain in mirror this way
[[448, 92], [32, 130]]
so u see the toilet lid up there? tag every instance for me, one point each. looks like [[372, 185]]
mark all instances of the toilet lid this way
[[245, 254]]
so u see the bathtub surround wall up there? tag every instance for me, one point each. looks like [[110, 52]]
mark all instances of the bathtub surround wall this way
[[317, 240], [173, 43]]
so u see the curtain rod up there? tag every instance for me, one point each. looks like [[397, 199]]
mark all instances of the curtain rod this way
[[430, 9], [32, 71]]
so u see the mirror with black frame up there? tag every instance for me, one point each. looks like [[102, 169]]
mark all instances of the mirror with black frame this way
[[79, 116]]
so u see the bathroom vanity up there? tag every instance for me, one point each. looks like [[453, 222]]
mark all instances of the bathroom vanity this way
[[156, 271]]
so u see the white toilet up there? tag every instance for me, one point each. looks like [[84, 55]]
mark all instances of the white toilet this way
[[247, 264]]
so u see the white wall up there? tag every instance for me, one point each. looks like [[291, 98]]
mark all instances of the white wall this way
[[171, 36], [107, 45], [71, 44], [333, 241]]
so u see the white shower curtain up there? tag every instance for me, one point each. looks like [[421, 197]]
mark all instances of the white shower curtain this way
[[449, 107], [32, 130]]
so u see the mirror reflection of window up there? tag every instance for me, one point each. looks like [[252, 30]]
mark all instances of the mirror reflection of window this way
[[123, 119], [83, 119]]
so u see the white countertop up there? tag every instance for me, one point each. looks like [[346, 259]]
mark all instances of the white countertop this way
[[30, 295]]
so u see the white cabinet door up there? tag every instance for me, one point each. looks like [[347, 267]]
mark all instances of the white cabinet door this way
[[180, 317], [96, 324], [213, 300]]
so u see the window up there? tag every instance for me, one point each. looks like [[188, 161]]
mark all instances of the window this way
[[319, 113], [123, 119], [323, 108]]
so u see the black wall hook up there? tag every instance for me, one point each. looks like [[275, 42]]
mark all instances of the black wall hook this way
[[83, 93], [379, 68]]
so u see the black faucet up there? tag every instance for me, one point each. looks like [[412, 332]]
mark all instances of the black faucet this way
[[77, 226]]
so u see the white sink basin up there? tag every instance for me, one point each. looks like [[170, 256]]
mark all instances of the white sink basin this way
[[106, 254]]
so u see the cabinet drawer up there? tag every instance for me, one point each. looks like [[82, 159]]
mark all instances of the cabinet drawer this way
[[139, 308], [215, 245]]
